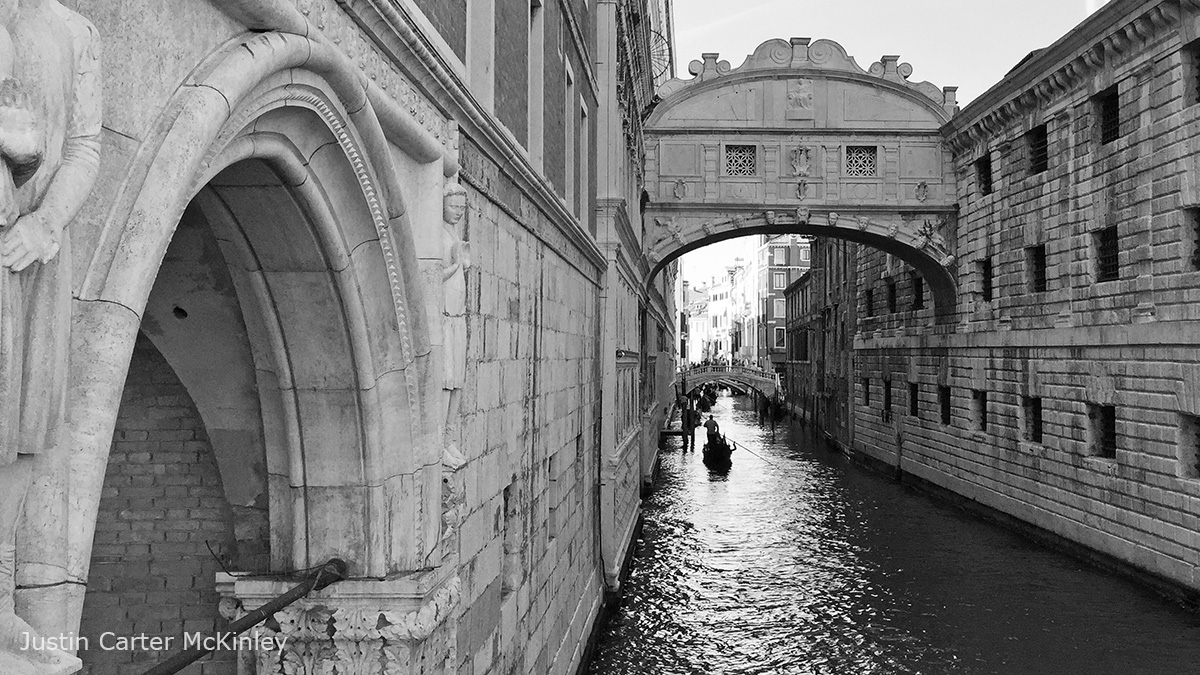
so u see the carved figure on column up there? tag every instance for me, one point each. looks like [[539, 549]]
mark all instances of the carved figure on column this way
[[456, 258], [53, 71]]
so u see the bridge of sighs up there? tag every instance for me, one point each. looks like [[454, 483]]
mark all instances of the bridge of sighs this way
[[800, 139]]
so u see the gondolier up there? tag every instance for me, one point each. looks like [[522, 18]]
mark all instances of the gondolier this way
[[714, 430]]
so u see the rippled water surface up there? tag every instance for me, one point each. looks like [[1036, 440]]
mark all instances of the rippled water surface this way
[[797, 562]]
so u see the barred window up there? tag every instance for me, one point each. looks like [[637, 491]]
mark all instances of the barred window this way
[[741, 160], [979, 408], [1191, 235], [918, 292], [914, 399], [1035, 266], [944, 403], [861, 161], [1189, 446], [891, 297], [866, 391], [1191, 72], [1108, 265], [887, 400], [1108, 113], [1033, 419], [869, 301], [983, 173], [985, 279], [1039, 149], [1103, 422]]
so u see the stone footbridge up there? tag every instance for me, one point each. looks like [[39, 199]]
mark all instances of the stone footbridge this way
[[763, 381]]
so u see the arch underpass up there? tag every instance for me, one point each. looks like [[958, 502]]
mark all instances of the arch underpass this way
[[802, 140]]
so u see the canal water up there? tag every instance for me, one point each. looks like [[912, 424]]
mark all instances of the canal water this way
[[798, 562]]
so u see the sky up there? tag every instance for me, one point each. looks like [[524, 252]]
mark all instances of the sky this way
[[970, 44]]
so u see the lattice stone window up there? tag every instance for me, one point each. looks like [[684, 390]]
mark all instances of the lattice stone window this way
[[741, 160], [861, 161]]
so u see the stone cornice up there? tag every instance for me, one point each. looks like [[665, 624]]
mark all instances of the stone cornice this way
[[1117, 29]]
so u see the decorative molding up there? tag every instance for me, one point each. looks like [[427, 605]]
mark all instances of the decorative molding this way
[[812, 58]]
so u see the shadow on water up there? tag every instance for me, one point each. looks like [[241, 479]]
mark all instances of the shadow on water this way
[[797, 562]]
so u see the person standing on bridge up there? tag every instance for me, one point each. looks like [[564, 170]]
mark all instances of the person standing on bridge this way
[[714, 430]]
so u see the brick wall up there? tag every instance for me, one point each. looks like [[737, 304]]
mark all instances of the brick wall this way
[[151, 572], [1082, 343], [512, 67], [449, 18]]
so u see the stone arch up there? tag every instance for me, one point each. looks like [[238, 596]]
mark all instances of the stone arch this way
[[290, 116], [797, 111], [922, 246]]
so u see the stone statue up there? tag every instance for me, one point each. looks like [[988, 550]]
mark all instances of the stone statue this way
[[50, 138], [455, 260]]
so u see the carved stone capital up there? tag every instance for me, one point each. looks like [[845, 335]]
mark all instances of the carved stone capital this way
[[353, 628]]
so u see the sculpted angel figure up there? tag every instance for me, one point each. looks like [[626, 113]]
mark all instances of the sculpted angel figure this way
[[50, 140]]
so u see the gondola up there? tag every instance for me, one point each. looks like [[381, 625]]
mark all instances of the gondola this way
[[717, 454]]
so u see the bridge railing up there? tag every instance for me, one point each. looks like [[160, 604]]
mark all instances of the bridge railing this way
[[745, 371]]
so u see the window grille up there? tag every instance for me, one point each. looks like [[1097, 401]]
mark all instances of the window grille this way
[[983, 172], [869, 301], [866, 387], [1039, 149], [1036, 258], [979, 397], [887, 400], [1033, 419], [891, 291], [1108, 266], [1103, 420], [1191, 65], [861, 161], [1108, 107], [944, 403], [741, 160], [918, 292], [914, 399]]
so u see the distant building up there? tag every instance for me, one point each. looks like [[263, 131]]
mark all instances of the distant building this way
[[781, 259]]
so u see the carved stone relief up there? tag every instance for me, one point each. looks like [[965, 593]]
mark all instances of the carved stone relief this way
[[456, 258], [801, 158], [800, 100]]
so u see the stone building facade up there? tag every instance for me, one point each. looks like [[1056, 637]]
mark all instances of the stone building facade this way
[[341, 290], [1062, 395]]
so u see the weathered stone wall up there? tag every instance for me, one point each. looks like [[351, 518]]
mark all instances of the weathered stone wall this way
[[152, 573], [1082, 343], [530, 574]]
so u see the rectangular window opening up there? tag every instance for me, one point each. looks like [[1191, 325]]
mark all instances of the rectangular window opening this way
[[1035, 267], [891, 296], [869, 301], [866, 391], [780, 337], [1033, 418], [986, 287], [1102, 420], [944, 403], [979, 409], [1038, 141], [1108, 111], [1189, 446], [1191, 72], [1191, 237], [914, 400], [1108, 265], [983, 173], [918, 284], [887, 400]]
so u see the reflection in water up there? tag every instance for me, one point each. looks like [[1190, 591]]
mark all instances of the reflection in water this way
[[798, 563]]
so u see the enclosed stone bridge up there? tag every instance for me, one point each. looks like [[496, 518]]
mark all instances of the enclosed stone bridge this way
[[763, 381], [801, 139]]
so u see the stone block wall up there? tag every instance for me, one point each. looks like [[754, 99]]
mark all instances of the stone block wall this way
[[530, 572], [1074, 407], [162, 507]]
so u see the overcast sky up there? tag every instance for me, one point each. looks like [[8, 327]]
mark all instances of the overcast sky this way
[[970, 44]]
